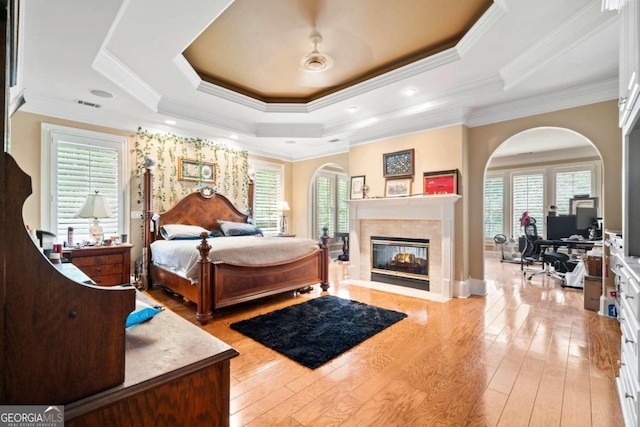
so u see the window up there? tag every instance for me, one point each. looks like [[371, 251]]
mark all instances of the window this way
[[494, 206], [268, 193], [528, 195], [76, 163], [570, 184], [510, 192], [331, 189]]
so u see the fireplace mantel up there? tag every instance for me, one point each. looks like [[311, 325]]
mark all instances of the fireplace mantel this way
[[416, 214]]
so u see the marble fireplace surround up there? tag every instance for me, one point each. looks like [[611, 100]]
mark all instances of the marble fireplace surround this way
[[424, 217]]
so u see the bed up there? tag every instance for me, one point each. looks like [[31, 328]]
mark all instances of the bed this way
[[222, 283]]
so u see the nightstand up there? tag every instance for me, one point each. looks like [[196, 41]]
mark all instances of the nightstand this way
[[105, 265]]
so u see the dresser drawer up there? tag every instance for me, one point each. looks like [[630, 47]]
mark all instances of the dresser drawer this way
[[101, 269], [97, 260], [108, 280], [628, 394]]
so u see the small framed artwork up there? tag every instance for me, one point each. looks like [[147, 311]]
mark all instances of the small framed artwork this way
[[194, 170], [398, 164], [357, 187], [397, 187], [442, 182]]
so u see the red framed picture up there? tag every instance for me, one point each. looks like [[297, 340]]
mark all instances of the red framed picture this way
[[442, 182]]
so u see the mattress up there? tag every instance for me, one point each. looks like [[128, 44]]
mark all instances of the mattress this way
[[182, 256]]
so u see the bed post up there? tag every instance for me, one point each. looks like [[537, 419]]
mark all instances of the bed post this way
[[324, 271], [203, 311], [147, 214]]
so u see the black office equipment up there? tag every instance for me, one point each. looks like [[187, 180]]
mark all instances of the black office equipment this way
[[585, 219], [561, 227]]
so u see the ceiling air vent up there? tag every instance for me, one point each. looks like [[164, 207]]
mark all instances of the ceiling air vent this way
[[334, 140], [88, 104]]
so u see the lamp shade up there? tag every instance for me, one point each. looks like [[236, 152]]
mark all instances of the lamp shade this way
[[95, 206], [283, 206]]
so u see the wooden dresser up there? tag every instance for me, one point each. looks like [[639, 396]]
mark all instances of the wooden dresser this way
[[105, 265], [175, 374]]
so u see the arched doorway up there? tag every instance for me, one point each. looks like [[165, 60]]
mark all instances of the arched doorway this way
[[326, 194], [532, 171]]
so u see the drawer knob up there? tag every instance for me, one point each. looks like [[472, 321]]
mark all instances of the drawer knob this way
[[627, 340], [629, 396], [100, 269], [628, 296], [618, 265]]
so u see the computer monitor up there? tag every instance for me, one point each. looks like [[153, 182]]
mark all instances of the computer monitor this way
[[585, 217], [560, 227]]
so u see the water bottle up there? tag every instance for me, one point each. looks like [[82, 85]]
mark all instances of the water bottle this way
[[70, 237]]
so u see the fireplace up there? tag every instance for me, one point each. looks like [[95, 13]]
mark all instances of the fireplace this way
[[400, 261]]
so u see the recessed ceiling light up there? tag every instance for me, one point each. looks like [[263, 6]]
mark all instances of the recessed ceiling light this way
[[410, 91], [170, 122], [353, 109], [233, 136], [102, 93], [289, 142]]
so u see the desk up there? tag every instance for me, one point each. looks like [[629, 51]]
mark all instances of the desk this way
[[568, 243]]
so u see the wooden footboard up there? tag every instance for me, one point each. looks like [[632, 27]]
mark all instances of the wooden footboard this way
[[229, 284]]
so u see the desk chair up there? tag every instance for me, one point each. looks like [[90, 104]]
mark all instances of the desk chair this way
[[538, 250]]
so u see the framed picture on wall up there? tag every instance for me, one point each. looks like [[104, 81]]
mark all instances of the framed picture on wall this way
[[397, 187], [398, 164], [193, 170], [357, 187], [442, 182]]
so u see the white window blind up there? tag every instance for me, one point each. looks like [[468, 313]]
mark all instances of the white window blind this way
[[331, 210], [528, 195], [78, 162], [493, 206], [81, 170], [570, 184], [267, 195]]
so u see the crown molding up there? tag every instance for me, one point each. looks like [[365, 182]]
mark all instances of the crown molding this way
[[113, 69], [187, 70], [481, 27], [576, 96], [177, 110], [555, 43]]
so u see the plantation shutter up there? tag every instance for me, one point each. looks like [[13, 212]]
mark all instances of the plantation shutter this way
[[570, 184], [493, 206], [326, 204], [267, 194], [343, 208], [528, 195], [83, 169]]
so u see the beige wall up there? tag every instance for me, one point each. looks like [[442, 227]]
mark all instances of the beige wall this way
[[435, 150], [597, 122]]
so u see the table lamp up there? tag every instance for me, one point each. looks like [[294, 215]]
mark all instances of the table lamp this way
[[95, 206], [283, 207]]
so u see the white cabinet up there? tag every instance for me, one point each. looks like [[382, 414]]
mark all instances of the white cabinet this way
[[629, 62], [627, 278]]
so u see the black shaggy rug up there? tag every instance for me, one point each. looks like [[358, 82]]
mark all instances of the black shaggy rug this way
[[316, 331]]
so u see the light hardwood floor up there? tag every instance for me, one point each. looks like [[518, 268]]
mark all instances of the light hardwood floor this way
[[526, 354]]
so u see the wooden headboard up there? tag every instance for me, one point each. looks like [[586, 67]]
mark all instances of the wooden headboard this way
[[195, 209], [203, 208]]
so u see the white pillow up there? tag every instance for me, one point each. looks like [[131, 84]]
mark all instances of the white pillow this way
[[181, 231], [230, 228]]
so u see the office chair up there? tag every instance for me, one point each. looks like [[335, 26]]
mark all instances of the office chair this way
[[536, 249]]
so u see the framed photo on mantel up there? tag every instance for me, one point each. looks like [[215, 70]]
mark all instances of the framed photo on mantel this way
[[442, 182]]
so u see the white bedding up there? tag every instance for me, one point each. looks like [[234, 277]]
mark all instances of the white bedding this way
[[181, 256]]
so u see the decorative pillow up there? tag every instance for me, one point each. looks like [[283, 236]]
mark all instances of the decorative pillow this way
[[181, 231], [230, 228], [216, 233]]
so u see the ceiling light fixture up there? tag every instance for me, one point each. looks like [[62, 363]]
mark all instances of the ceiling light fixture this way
[[170, 122], [102, 93], [352, 109], [410, 91], [316, 61], [233, 136]]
